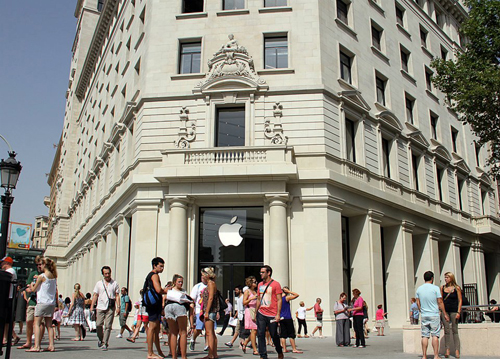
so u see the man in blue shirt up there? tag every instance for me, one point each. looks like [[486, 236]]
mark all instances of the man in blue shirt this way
[[430, 301], [123, 312]]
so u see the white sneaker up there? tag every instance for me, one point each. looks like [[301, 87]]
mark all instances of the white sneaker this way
[[119, 336]]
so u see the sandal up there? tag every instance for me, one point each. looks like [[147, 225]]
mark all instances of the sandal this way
[[132, 340], [297, 351]]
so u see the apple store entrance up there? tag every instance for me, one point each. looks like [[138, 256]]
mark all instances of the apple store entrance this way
[[232, 241]]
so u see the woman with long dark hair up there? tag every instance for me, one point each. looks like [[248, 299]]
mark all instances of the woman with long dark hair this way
[[452, 298]]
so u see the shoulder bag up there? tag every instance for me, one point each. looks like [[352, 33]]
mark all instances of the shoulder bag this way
[[111, 302]]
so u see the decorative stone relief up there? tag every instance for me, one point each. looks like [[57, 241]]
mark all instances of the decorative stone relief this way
[[187, 131], [233, 63], [275, 132]]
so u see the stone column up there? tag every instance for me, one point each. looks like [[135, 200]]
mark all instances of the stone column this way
[[121, 254], [429, 260], [480, 271], [400, 286], [178, 241], [452, 261], [278, 237]]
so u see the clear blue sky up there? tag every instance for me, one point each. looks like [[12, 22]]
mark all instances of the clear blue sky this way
[[35, 53]]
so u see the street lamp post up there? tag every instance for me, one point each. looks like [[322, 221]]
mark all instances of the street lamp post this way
[[9, 170]]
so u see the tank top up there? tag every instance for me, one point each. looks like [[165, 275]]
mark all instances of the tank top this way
[[285, 308], [450, 301], [46, 293], [215, 302]]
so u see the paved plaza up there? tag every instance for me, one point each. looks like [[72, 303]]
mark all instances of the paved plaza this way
[[389, 346]]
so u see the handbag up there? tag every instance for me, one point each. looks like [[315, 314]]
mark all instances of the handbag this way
[[253, 314], [233, 322], [111, 302]]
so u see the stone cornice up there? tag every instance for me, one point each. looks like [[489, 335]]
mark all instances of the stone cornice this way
[[95, 46]]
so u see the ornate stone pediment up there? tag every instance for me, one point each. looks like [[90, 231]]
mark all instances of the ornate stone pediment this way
[[440, 150], [353, 97], [415, 135], [390, 120], [231, 68], [459, 163]]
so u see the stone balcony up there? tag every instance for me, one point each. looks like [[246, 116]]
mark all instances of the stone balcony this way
[[227, 163]]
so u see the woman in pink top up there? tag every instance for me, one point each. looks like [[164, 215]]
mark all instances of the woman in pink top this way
[[250, 301], [357, 316], [380, 320]]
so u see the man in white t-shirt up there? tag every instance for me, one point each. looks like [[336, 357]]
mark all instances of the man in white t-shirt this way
[[105, 290], [200, 325], [6, 265], [238, 314]]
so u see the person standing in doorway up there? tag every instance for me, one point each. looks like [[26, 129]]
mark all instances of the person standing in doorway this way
[[452, 299], [357, 315], [268, 311], [318, 313], [105, 293], [125, 308], [152, 288], [30, 310], [430, 302]]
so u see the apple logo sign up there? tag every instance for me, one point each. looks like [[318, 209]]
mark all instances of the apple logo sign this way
[[229, 233]]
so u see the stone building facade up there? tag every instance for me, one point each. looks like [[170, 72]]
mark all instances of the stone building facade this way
[[311, 127]]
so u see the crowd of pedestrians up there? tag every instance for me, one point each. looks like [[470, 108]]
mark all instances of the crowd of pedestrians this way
[[262, 313]]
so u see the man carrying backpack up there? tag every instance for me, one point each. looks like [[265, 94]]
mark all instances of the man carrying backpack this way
[[152, 299]]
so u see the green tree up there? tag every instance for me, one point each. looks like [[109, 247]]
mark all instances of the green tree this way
[[472, 81]]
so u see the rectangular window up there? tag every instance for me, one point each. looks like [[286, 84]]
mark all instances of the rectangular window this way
[[434, 122], [342, 11], [423, 37], [444, 53], [439, 18], [380, 83], [233, 4], [189, 6], [460, 185], [414, 167], [274, 3], [386, 161], [376, 38], [405, 59], [428, 78], [439, 178], [400, 13], [454, 139], [477, 150], [100, 5], [190, 58], [409, 104], [345, 67], [350, 140], [276, 52], [230, 127]]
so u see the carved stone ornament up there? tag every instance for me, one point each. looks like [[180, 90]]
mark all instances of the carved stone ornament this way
[[275, 132], [187, 131], [231, 67]]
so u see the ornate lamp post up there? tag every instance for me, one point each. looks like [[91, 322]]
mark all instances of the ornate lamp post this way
[[10, 170]]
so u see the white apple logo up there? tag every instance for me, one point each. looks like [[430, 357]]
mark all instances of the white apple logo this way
[[229, 234]]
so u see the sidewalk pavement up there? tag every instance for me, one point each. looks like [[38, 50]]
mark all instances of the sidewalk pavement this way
[[389, 346]]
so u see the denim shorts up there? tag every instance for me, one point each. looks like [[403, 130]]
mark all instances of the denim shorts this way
[[212, 317], [200, 324], [430, 326], [174, 311]]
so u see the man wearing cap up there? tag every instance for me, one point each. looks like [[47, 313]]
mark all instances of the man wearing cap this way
[[7, 263], [30, 310]]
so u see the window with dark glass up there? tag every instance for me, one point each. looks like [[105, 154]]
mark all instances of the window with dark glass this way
[[276, 52], [454, 139], [460, 185], [434, 123], [439, 18], [189, 6], [405, 59], [409, 104], [190, 58], [428, 79], [400, 13], [477, 150], [342, 11], [386, 161], [414, 168], [233, 4], [350, 140], [423, 37], [439, 178], [230, 127], [274, 3], [100, 5], [444, 53], [345, 67], [376, 38], [380, 83]]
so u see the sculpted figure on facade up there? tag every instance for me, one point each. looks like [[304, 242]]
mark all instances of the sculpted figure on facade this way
[[187, 132], [275, 132]]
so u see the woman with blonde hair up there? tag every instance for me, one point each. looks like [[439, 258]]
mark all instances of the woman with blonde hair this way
[[250, 303], [452, 298], [210, 311], [77, 313], [177, 315], [46, 298]]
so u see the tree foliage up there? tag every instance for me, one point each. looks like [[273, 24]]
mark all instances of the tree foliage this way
[[472, 81]]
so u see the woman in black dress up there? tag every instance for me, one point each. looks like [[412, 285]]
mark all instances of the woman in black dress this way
[[452, 298]]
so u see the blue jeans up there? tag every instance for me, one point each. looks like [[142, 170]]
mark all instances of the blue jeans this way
[[264, 322]]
